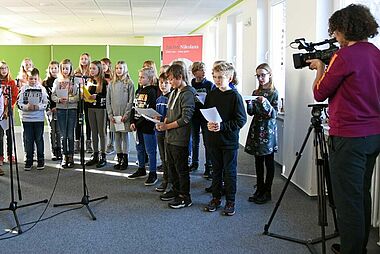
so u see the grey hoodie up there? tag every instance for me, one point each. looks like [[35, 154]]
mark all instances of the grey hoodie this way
[[181, 105]]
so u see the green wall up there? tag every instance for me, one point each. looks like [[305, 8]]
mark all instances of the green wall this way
[[73, 52], [135, 56]]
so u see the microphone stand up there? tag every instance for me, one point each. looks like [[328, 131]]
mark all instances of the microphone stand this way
[[86, 198], [12, 148]]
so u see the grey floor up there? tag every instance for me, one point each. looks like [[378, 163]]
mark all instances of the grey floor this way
[[134, 220]]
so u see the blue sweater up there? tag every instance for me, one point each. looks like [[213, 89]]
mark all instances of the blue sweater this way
[[162, 108]]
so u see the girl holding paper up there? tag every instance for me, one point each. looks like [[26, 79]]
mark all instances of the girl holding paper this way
[[119, 101], [262, 135], [65, 95]]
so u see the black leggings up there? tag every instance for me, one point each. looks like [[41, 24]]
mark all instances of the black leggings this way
[[269, 164]]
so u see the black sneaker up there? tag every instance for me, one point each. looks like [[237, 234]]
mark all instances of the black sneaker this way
[[28, 167], [162, 187], [263, 198], [152, 179], [335, 248], [168, 195], [229, 208], [180, 202], [254, 196], [140, 173], [213, 205], [40, 165], [194, 167]]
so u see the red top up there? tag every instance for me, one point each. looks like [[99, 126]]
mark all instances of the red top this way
[[352, 85], [14, 90]]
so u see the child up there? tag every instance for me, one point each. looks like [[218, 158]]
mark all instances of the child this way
[[32, 102], [25, 67], [55, 136], [177, 125], [83, 70], [106, 64], [8, 85], [161, 107], [120, 95], [223, 137], [146, 96], [97, 114], [65, 95], [262, 135], [202, 87]]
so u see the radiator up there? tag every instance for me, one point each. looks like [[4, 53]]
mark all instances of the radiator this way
[[375, 192]]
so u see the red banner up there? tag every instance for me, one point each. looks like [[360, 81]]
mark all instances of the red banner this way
[[181, 48]]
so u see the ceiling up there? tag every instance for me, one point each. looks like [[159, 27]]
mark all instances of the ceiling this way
[[102, 18]]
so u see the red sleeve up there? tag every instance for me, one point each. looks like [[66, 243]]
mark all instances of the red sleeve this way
[[14, 92], [331, 79]]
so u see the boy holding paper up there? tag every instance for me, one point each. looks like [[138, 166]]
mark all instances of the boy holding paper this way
[[223, 137], [177, 124], [32, 102]]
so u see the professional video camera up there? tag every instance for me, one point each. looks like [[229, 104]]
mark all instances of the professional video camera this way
[[324, 55]]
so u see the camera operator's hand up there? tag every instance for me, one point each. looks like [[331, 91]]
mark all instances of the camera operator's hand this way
[[316, 64]]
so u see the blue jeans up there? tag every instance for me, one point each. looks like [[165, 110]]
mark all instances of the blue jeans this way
[[351, 166], [34, 133], [196, 125], [147, 143], [224, 163], [67, 119]]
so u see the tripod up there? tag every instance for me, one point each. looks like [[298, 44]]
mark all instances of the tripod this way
[[323, 180], [86, 198], [12, 148]]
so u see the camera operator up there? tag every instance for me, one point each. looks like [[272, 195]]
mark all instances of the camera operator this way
[[352, 84]]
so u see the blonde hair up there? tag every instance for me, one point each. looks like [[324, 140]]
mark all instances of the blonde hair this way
[[81, 69], [152, 64], [150, 73], [125, 78], [8, 77], [100, 77], [198, 66], [23, 71], [65, 61]]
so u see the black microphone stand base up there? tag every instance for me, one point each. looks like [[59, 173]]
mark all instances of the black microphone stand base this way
[[13, 207], [85, 201]]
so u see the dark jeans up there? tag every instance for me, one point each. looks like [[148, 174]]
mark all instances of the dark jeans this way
[[351, 166], [34, 133], [224, 163], [55, 136], [87, 125], [161, 148], [196, 125], [178, 168], [269, 164], [67, 119], [147, 143]]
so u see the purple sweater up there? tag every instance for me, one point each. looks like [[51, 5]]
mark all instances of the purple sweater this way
[[352, 85]]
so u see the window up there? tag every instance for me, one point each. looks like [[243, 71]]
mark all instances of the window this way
[[235, 45], [277, 45]]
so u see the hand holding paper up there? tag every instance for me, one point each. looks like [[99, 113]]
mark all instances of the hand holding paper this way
[[211, 115]]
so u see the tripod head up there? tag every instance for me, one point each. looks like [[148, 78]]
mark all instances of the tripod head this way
[[316, 113]]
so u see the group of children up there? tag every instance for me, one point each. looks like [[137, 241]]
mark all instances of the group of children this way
[[109, 96]]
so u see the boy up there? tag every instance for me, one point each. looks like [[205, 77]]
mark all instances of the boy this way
[[223, 137], [177, 125], [202, 87], [161, 107], [32, 102]]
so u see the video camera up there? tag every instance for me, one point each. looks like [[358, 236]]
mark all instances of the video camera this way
[[324, 55]]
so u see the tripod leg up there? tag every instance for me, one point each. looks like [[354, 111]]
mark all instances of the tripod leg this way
[[299, 154]]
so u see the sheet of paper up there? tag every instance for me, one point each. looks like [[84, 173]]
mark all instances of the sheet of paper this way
[[119, 125], [148, 112], [211, 115], [4, 124], [249, 97], [34, 100], [201, 97], [150, 119], [62, 93], [134, 133]]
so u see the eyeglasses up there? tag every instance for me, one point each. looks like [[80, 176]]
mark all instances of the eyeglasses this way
[[261, 75]]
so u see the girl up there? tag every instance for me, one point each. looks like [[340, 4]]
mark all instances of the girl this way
[[6, 83], [65, 95], [106, 64], [83, 70], [55, 136], [146, 96], [262, 135], [97, 113], [25, 67], [120, 95]]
